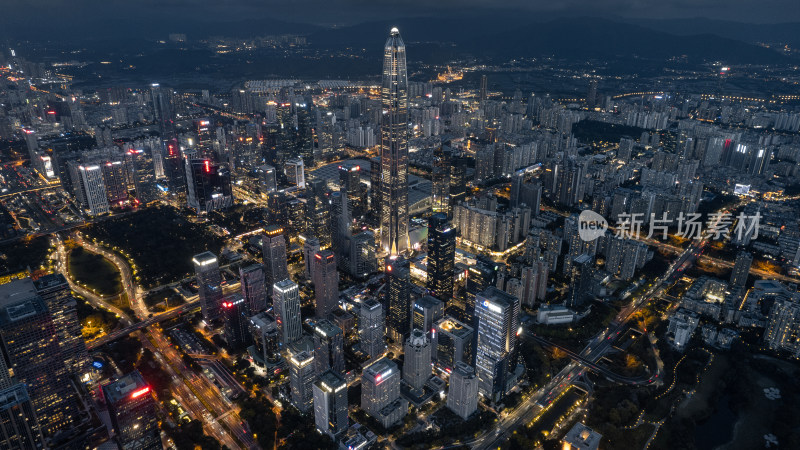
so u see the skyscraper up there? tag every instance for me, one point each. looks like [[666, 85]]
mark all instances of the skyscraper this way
[[286, 306], [236, 313], [326, 283], [91, 190], [453, 342], [482, 96], [133, 413], [741, 269], [209, 284], [273, 248], [580, 284], [380, 393], [440, 178], [208, 185], [371, 325], [254, 287], [362, 254], [394, 147], [426, 312], [441, 257], [266, 337], [301, 379], [497, 315], [30, 345], [462, 394], [330, 404], [328, 347], [19, 427], [310, 248], [417, 361], [398, 298], [319, 211], [55, 292]]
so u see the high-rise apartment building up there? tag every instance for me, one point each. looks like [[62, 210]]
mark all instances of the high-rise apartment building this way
[[741, 269], [394, 147]]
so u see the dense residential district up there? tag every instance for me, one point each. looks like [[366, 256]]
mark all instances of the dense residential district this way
[[429, 257]]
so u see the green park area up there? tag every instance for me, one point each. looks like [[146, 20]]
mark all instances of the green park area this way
[[95, 272], [160, 241], [19, 255]]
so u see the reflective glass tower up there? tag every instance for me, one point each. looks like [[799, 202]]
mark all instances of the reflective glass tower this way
[[394, 147]]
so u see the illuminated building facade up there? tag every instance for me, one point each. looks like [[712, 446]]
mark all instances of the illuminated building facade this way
[[394, 147], [133, 413]]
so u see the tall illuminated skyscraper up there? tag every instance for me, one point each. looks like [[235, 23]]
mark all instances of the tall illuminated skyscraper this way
[[394, 147], [441, 257], [286, 306], [209, 284], [133, 412], [326, 283], [330, 404], [273, 247]]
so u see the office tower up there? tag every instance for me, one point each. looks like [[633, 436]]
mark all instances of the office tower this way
[[163, 111], [340, 227], [209, 284], [273, 248], [741, 269], [581, 281], [440, 178], [143, 173], [310, 248], [426, 312], [482, 96], [480, 276], [301, 380], [350, 184], [417, 361], [114, 180], [286, 306], [91, 190], [591, 95], [330, 404], [254, 287], [319, 212], [266, 337], [380, 393], [363, 260], [394, 147], [19, 427], [267, 179], [328, 347], [133, 413], [452, 342], [55, 291], [295, 172], [236, 314], [497, 315], [371, 325], [398, 298], [30, 344], [441, 257], [462, 394], [458, 179], [326, 283], [375, 194], [208, 185]]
